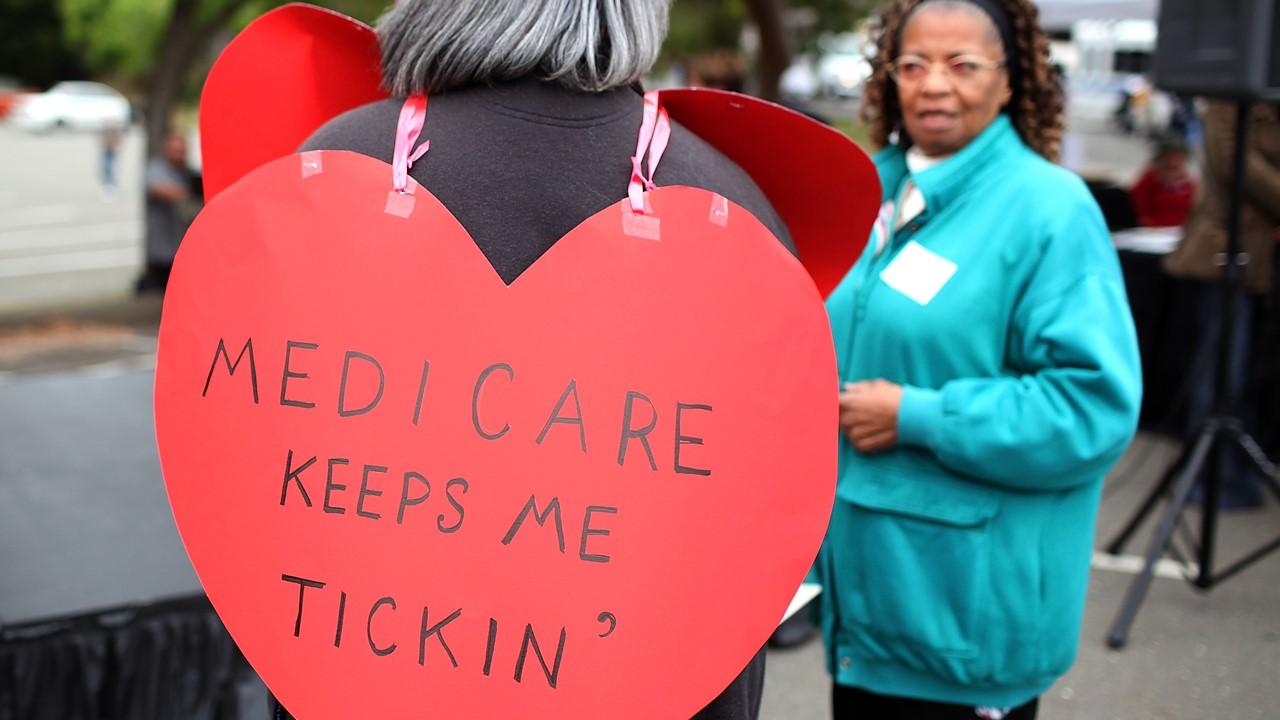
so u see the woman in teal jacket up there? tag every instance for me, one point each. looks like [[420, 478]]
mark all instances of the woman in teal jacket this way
[[990, 378]]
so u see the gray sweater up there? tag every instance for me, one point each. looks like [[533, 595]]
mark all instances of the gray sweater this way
[[522, 164]]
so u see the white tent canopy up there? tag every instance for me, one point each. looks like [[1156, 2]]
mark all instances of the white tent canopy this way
[[1060, 15]]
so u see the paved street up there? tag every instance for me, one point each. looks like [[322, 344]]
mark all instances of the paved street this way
[[80, 487]]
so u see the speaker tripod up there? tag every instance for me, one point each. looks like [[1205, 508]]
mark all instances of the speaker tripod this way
[[1203, 455]]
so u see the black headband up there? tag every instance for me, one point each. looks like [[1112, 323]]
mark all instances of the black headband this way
[[1000, 17], [995, 10]]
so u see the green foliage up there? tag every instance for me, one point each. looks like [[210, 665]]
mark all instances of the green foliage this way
[[366, 11], [833, 17], [122, 37], [701, 25], [31, 46], [857, 131], [836, 16], [118, 37]]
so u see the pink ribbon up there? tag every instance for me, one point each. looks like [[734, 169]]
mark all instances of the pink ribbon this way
[[413, 115], [655, 133]]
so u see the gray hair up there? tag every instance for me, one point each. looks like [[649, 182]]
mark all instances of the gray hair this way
[[588, 45]]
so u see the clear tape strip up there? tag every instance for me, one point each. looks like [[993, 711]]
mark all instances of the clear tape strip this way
[[719, 214], [645, 225], [312, 163], [400, 203]]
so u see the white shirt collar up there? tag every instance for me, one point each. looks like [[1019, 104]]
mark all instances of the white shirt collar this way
[[918, 162]]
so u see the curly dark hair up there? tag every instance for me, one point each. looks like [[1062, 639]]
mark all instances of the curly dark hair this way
[[1036, 107]]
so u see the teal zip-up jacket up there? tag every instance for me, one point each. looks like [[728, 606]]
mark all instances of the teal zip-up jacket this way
[[955, 565]]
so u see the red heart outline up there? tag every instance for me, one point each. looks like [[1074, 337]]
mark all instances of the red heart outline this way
[[702, 567]]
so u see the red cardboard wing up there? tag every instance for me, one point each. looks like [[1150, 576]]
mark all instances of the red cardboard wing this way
[[286, 74], [822, 184], [412, 490]]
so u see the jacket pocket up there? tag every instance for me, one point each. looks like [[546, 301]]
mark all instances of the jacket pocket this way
[[920, 565]]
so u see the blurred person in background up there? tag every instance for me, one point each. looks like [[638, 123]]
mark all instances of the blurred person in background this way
[[1184, 120], [110, 142], [719, 69], [1198, 258], [173, 199], [1163, 193], [1135, 94], [990, 378], [557, 81]]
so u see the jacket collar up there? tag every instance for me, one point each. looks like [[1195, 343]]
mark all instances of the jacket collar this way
[[950, 178]]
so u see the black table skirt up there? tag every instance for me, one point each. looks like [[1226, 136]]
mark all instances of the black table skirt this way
[[166, 660], [1164, 312], [1164, 315]]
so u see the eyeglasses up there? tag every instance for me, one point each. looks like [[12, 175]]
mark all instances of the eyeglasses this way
[[911, 69]]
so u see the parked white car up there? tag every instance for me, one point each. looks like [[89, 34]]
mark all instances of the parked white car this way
[[842, 74], [76, 105], [800, 81], [834, 75]]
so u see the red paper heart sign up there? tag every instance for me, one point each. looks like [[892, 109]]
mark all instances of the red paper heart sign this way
[[413, 491], [821, 183]]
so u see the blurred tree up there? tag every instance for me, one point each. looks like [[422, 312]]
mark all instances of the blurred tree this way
[[827, 16], [704, 26], [158, 42], [774, 56], [839, 15], [31, 46]]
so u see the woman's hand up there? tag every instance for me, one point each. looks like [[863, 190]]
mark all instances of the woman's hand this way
[[869, 414]]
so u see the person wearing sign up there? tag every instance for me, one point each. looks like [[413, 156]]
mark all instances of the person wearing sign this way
[[533, 111], [990, 378]]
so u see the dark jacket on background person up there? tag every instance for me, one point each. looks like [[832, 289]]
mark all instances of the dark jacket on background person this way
[[168, 220], [521, 164], [1205, 238]]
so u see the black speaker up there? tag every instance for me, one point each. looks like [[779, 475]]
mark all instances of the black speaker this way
[[1219, 48]]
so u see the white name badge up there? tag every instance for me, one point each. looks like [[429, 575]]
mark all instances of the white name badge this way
[[918, 273]]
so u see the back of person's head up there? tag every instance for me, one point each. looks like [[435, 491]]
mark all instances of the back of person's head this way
[[175, 148], [587, 45]]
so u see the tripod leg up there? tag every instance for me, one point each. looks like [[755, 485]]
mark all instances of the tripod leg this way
[[1213, 479], [1270, 471], [1247, 560], [1116, 546], [1119, 634]]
